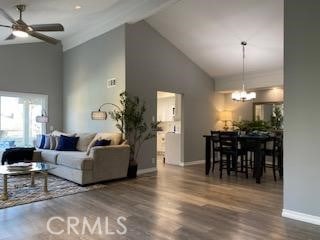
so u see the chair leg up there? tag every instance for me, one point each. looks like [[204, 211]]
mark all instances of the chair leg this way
[[246, 166], [221, 165], [235, 164], [280, 165], [213, 161], [274, 167], [228, 164]]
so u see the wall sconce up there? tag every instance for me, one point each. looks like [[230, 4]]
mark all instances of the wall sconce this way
[[226, 116]]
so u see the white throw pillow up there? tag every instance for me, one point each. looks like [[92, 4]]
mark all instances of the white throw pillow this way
[[84, 140], [58, 134]]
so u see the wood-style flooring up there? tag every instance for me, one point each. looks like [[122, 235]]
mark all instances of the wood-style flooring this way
[[176, 203]]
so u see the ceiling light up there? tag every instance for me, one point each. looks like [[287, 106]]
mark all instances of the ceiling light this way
[[77, 7], [20, 34], [243, 95]]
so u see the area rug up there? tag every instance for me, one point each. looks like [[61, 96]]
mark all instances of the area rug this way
[[20, 190]]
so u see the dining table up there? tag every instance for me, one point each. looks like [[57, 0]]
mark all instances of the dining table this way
[[253, 142]]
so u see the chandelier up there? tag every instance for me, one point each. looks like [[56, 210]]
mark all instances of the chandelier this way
[[243, 95]]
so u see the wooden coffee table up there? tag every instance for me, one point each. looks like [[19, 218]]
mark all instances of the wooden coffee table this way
[[36, 167]]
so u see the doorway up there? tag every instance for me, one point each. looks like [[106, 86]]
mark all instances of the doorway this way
[[170, 132]]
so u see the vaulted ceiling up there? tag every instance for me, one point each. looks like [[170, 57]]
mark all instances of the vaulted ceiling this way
[[209, 32], [92, 19]]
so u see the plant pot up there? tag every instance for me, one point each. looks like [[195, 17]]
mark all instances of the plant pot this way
[[132, 171]]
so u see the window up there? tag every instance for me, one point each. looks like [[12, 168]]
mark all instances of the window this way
[[18, 111]]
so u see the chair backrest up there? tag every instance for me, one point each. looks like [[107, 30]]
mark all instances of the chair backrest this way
[[215, 133], [228, 141]]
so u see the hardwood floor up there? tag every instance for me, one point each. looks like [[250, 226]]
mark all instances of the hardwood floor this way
[[176, 203]]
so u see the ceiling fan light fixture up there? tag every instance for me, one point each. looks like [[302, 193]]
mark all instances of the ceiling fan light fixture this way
[[20, 34]]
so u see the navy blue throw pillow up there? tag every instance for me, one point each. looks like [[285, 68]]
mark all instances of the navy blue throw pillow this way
[[42, 141], [67, 143], [102, 143]]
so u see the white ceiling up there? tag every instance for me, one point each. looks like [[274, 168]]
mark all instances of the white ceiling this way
[[210, 31], [94, 18]]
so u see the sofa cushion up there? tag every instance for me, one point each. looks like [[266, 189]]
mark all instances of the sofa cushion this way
[[49, 156], [47, 142], [67, 143], [42, 141], [75, 160], [53, 142], [102, 143], [114, 137], [84, 141]]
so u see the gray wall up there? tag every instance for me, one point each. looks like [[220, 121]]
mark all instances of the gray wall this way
[[302, 131], [154, 64], [86, 70], [244, 110], [34, 68]]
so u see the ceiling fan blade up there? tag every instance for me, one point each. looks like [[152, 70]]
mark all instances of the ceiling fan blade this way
[[11, 37], [4, 26], [7, 16], [54, 27], [43, 37]]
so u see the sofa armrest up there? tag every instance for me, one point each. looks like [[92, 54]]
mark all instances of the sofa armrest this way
[[110, 162]]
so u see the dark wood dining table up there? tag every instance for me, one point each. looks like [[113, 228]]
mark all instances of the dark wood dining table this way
[[255, 143]]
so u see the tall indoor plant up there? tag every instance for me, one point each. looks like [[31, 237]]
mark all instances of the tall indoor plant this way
[[131, 122], [277, 118]]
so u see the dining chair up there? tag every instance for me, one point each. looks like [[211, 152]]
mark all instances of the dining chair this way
[[229, 153], [276, 152], [215, 148]]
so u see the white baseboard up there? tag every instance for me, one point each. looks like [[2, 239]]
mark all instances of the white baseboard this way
[[183, 164], [147, 170], [301, 216]]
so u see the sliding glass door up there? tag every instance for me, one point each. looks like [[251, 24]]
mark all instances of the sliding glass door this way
[[18, 111]]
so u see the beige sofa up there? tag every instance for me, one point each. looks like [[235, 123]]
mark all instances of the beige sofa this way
[[90, 164]]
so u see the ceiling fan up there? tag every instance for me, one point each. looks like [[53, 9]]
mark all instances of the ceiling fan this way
[[23, 30]]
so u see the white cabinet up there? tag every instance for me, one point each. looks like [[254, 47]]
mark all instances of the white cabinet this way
[[165, 109], [173, 148], [177, 115]]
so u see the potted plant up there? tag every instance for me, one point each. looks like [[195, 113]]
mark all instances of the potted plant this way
[[277, 118], [131, 122], [250, 126]]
